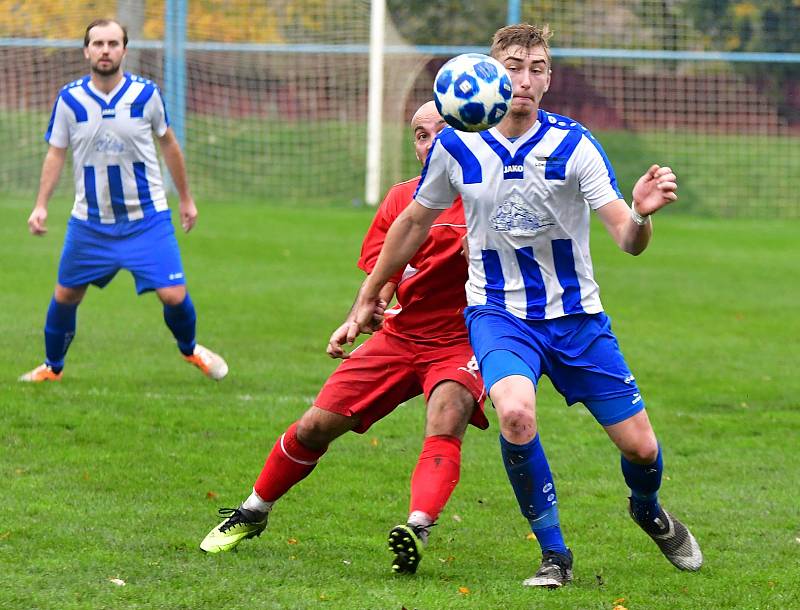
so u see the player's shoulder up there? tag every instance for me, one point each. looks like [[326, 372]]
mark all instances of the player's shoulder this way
[[135, 78], [406, 185], [75, 84], [560, 121]]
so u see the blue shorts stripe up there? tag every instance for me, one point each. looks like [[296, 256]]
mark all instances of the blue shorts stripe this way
[[495, 282], [564, 261], [143, 188], [90, 190], [535, 292], [116, 192]]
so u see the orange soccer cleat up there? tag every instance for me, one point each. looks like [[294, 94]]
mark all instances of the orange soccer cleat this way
[[212, 365], [43, 372]]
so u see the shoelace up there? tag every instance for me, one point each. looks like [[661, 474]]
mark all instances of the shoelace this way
[[233, 517]]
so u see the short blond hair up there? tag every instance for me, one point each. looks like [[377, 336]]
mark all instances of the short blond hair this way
[[522, 35]]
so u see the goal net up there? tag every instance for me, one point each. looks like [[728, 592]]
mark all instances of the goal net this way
[[273, 93]]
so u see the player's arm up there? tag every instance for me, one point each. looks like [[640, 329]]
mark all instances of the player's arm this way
[[51, 171], [403, 239], [632, 227], [173, 157]]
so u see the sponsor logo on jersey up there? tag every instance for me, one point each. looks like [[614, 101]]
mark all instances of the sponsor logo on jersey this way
[[516, 217], [107, 142]]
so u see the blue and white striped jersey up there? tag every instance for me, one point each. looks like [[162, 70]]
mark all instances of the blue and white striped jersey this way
[[115, 164], [527, 206]]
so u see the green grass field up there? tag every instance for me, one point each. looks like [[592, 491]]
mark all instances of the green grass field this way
[[116, 473]]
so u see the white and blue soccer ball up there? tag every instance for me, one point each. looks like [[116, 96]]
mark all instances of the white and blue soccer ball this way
[[472, 92]]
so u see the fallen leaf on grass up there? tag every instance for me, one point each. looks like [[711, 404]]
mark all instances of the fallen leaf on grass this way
[[117, 581], [211, 495], [449, 559], [456, 518], [5, 535], [618, 607], [291, 541], [619, 600], [463, 591], [374, 442], [346, 562]]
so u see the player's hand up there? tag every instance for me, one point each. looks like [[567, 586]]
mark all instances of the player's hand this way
[[188, 211], [337, 340], [465, 248], [37, 221], [655, 189]]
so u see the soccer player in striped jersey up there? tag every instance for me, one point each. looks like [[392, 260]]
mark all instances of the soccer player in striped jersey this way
[[422, 349], [528, 187], [120, 218]]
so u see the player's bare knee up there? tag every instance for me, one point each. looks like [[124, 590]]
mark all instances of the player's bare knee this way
[[518, 424], [69, 296], [643, 451], [449, 409], [172, 295], [317, 428]]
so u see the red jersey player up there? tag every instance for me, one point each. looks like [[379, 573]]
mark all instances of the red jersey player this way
[[422, 348]]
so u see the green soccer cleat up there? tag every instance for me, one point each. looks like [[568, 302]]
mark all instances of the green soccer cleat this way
[[239, 524], [406, 542]]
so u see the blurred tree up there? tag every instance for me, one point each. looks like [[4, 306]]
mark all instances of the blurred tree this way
[[448, 22]]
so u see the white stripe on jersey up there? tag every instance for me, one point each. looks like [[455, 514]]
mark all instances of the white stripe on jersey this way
[[115, 163], [527, 205]]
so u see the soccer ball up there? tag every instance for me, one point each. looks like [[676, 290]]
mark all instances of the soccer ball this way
[[472, 92]]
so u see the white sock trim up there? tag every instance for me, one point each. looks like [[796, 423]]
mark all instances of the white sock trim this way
[[256, 503], [294, 459]]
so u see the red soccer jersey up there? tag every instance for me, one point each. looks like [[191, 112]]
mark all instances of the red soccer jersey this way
[[430, 291]]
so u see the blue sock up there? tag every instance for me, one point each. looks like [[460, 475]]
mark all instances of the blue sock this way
[[530, 477], [59, 330], [181, 320], [644, 481]]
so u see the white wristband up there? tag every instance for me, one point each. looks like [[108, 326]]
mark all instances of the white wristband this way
[[638, 218]]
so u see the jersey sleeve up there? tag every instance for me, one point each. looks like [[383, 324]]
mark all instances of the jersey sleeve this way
[[598, 183], [376, 234], [157, 112], [435, 191], [58, 128]]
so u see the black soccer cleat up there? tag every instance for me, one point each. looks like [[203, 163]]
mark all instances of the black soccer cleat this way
[[555, 571], [406, 542], [674, 539]]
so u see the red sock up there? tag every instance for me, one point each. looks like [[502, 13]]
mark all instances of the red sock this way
[[288, 463], [436, 475]]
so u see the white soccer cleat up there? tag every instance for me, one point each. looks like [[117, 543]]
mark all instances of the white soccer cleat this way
[[212, 365]]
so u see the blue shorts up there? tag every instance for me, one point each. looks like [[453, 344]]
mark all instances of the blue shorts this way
[[148, 250], [579, 353]]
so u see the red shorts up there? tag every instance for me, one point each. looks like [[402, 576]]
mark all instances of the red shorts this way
[[386, 371]]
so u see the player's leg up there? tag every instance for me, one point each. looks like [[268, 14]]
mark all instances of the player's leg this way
[[181, 319], [527, 467], [642, 467], [294, 455], [153, 257], [450, 407], [59, 330], [598, 376], [365, 388], [510, 356]]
